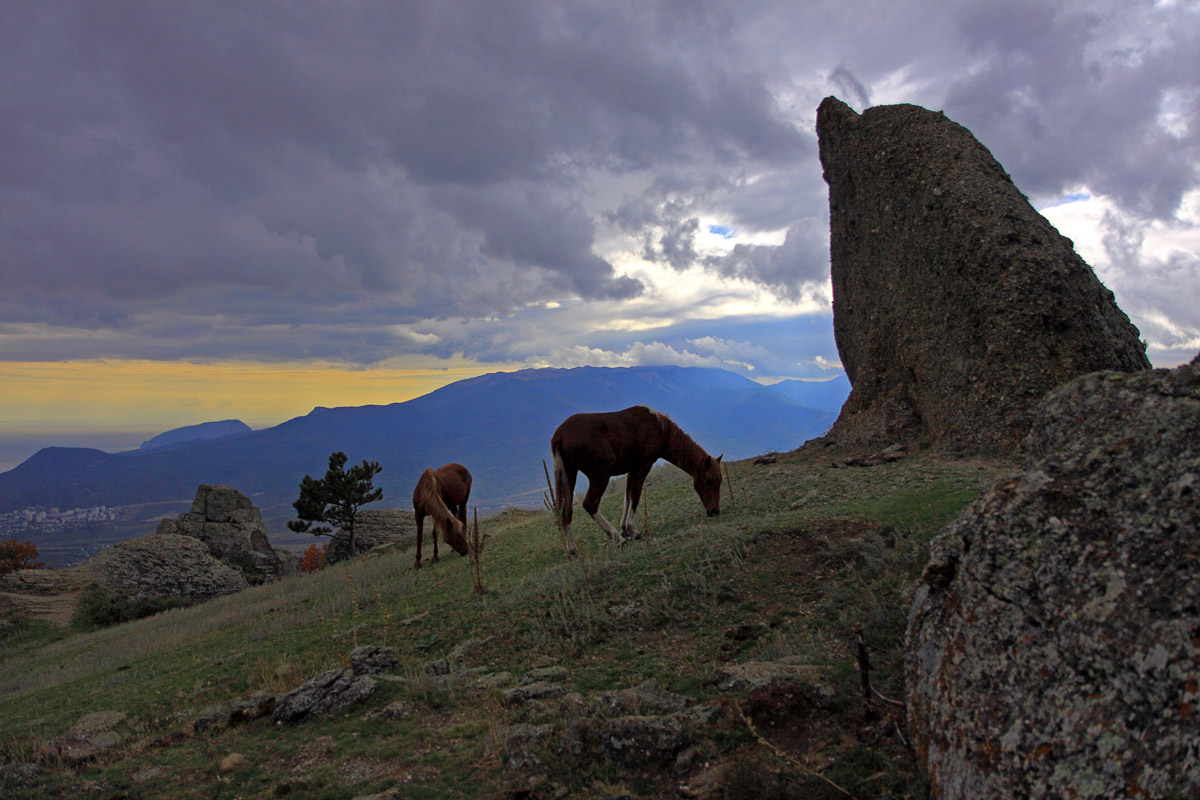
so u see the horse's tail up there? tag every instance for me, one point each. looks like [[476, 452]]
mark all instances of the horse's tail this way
[[563, 494], [429, 494]]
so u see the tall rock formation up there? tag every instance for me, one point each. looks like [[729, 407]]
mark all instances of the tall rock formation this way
[[1055, 648], [232, 528], [956, 305]]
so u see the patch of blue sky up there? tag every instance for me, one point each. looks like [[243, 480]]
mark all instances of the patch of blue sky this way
[[724, 231], [1072, 197]]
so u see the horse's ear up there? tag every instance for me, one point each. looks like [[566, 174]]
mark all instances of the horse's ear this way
[[720, 457]]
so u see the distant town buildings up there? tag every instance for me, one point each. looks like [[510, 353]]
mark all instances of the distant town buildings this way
[[35, 519]]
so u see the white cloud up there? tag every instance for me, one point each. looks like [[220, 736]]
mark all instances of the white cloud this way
[[638, 354], [1152, 267], [824, 363]]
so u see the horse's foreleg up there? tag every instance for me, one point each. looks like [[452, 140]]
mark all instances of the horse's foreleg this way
[[420, 527], [612, 532], [591, 504]]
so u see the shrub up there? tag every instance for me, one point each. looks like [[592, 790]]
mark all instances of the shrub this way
[[16, 555], [314, 558], [101, 609]]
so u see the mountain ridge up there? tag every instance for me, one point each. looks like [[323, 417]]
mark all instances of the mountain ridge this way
[[499, 424]]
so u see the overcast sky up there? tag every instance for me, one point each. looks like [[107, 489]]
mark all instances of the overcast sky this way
[[488, 185]]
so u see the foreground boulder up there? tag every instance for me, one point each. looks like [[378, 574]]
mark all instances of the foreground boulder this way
[[1054, 649], [232, 529], [956, 305]]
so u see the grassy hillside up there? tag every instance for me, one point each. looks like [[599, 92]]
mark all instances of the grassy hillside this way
[[801, 556]]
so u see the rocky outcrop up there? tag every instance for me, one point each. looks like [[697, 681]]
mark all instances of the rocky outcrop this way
[[159, 566], [337, 689], [373, 528], [232, 528], [1055, 649], [956, 305], [163, 565]]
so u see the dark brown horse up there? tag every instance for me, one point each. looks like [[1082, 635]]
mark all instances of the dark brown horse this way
[[619, 443], [442, 494]]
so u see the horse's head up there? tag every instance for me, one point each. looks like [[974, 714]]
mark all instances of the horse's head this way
[[707, 483], [453, 535]]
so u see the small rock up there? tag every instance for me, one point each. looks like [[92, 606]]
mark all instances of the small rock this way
[[552, 673], [774, 675], [542, 690], [373, 660], [18, 773], [232, 762], [149, 772], [97, 722], [397, 710]]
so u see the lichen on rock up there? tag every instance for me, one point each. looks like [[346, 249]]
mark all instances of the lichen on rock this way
[[1054, 649]]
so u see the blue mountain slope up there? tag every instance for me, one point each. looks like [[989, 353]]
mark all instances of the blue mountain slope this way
[[828, 395], [499, 425], [202, 432]]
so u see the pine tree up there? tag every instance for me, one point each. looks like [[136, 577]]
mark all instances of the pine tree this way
[[334, 500]]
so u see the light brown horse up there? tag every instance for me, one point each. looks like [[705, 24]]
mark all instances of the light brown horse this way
[[442, 494], [625, 443]]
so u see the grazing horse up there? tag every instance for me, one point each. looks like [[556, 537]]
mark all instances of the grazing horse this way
[[442, 494], [625, 442]]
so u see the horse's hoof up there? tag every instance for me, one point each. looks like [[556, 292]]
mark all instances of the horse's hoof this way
[[417, 565]]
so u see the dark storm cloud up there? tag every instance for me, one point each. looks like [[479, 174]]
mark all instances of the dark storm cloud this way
[[157, 154], [1072, 95], [803, 258], [850, 88], [287, 179]]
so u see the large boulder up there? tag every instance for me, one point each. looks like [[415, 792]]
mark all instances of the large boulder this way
[[162, 565], [1053, 651], [232, 529], [373, 528], [956, 305]]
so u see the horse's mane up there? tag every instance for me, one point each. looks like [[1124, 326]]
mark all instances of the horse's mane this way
[[429, 495], [682, 450]]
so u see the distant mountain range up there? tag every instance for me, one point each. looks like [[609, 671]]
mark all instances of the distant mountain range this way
[[205, 431], [499, 425]]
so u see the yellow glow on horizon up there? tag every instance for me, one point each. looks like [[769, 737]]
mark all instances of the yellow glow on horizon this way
[[129, 394]]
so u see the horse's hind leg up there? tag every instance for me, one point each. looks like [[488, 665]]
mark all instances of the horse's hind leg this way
[[564, 483], [591, 504]]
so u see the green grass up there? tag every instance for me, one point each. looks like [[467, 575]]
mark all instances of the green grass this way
[[802, 553]]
